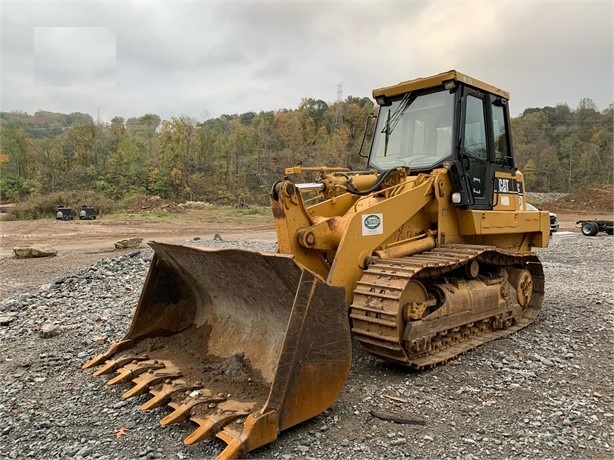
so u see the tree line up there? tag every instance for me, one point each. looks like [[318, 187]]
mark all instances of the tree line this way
[[237, 157]]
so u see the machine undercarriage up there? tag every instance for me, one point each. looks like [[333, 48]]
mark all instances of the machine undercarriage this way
[[424, 310]]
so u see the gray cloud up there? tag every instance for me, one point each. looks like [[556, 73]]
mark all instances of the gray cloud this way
[[185, 58], [552, 52], [74, 56]]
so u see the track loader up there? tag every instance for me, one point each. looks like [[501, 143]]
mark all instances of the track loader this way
[[423, 255]]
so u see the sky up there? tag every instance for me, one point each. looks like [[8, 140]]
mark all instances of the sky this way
[[201, 59]]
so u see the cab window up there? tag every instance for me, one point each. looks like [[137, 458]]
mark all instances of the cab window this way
[[499, 133], [475, 134]]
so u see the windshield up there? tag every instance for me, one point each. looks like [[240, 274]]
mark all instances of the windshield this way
[[414, 131]]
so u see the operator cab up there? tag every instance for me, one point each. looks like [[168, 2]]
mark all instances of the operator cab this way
[[449, 120]]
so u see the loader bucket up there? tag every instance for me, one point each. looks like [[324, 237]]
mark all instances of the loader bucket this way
[[243, 344]]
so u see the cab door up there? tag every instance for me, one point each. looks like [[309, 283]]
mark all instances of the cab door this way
[[508, 192], [475, 148]]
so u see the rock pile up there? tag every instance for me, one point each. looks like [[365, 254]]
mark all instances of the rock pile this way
[[544, 392]]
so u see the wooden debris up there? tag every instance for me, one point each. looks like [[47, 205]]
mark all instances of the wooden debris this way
[[396, 419], [394, 398]]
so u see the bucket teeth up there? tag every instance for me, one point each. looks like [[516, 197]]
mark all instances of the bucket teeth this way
[[212, 425], [113, 365], [164, 394], [232, 450], [134, 369], [115, 347], [149, 379], [184, 411]]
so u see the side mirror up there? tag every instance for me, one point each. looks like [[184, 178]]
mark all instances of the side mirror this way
[[368, 124]]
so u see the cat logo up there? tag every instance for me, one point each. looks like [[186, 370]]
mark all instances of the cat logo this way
[[504, 185]]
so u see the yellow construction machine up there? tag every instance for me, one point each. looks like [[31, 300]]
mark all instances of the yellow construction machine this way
[[421, 256]]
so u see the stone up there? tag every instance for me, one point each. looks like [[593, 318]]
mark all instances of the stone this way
[[128, 243], [5, 320], [49, 330], [36, 250]]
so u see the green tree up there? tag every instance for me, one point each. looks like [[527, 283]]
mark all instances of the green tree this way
[[530, 177], [127, 167]]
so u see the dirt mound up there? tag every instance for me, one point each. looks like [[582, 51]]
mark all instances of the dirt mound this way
[[594, 198], [153, 203]]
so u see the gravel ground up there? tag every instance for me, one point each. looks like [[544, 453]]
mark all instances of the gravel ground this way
[[545, 392]]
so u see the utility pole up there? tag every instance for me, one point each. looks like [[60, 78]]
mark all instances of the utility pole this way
[[339, 111]]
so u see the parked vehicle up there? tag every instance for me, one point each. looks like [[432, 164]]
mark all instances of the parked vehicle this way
[[554, 222], [592, 227], [64, 212], [87, 213]]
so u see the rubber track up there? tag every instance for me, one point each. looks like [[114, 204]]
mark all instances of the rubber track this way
[[383, 282]]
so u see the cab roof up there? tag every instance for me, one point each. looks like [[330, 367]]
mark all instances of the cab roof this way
[[435, 81]]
